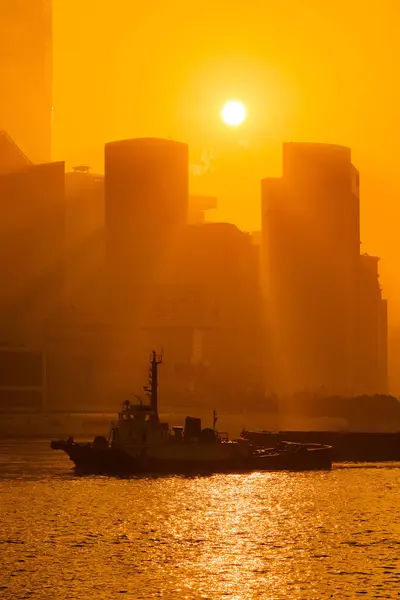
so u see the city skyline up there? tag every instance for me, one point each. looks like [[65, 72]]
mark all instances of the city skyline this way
[[200, 300], [303, 73], [127, 250], [94, 101], [240, 144]]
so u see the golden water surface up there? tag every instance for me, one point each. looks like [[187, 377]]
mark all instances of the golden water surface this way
[[262, 535]]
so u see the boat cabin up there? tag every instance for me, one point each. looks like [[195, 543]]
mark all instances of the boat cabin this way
[[139, 424]]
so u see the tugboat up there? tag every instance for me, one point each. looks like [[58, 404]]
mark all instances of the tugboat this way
[[140, 444]]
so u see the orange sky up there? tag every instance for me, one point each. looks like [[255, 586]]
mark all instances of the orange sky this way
[[307, 71]]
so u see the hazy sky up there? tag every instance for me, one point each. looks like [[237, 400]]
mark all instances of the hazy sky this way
[[306, 70]]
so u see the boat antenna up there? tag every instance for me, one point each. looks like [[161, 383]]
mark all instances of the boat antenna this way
[[215, 419], [153, 379]]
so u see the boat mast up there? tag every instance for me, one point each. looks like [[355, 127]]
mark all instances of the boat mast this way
[[153, 391], [215, 419]]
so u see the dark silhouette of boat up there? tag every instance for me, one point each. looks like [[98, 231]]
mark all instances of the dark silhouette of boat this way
[[140, 444], [352, 446]]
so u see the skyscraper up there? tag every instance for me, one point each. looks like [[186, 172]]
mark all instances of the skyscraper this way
[[310, 255], [146, 207], [84, 235], [26, 75], [209, 316]]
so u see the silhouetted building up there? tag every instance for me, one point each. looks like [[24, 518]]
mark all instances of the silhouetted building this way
[[32, 242], [208, 315], [372, 330], [310, 256], [146, 206], [85, 243], [26, 75]]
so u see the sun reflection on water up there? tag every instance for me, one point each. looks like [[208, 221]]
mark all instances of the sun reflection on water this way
[[242, 537]]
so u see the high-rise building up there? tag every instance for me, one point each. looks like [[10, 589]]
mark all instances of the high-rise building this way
[[310, 259], [84, 233], [209, 314], [372, 375], [146, 207], [50, 247], [32, 236], [26, 75]]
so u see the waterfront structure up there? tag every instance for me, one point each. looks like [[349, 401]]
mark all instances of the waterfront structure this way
[[146, 206], [32, 238], [208, 314], [194, 288], [310, 262]]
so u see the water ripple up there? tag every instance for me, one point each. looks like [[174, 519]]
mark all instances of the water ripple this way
[[308, 536]]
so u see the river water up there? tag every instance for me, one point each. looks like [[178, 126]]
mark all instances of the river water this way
[[239, 537]]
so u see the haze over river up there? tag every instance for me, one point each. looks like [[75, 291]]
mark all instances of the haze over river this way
[[239, 537]]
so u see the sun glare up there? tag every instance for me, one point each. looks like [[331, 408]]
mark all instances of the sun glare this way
[[233, 113]]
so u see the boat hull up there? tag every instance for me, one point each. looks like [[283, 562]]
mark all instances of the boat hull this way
[[90, 460]]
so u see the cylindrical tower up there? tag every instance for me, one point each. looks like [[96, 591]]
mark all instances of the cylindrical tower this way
[[146, 206]]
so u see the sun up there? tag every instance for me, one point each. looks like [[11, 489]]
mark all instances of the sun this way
[[233, 113]]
